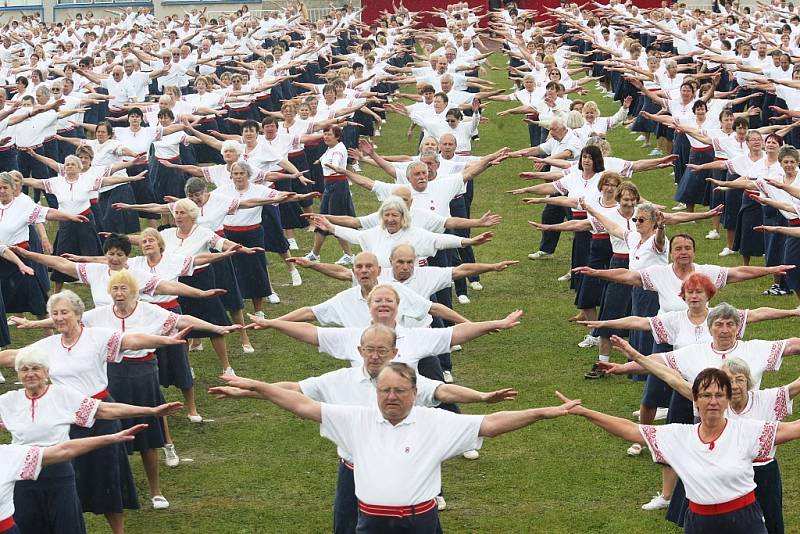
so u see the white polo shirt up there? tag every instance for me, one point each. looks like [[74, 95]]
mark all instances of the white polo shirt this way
[[20, 462], [349, 309], [435, 197], [424, 281], [399, 465]]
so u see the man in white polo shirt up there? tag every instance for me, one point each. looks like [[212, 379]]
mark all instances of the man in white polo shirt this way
[[398, 448]]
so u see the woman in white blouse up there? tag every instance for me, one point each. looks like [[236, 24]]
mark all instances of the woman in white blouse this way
[[396, 228]]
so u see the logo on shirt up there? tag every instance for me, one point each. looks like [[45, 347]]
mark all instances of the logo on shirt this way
[[407, 450]]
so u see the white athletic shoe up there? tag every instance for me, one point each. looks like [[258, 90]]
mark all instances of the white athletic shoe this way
[[273, 298], [713, 234], [293, 244], [312, 257], [477, 286], [440, 503], [463, 299], [661, 414], [634, 450], [260, 315], [540, 255], [346, 260], [727, 252], [641, 139], [356, 167], [448, 377], [229, 371], [589, 341], [159, 502], [565, 277], [656, 152], [2, 379], [172, 458], [656, 503], [296, 280], [455, 348], [471, 455], [679, 206], [248, 349]]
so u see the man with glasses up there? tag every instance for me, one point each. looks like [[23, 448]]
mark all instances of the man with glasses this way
[[397, 447]]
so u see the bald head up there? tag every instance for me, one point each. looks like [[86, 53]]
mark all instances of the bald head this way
[[403, 259], [404, 193]]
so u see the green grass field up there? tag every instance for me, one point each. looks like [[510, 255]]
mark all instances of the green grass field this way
[[258, 469]]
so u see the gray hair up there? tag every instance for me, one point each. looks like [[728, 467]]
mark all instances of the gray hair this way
[[190, 207], [230, 144], [72, 300], [31, 356], [399, 205], [414, 165], [194, 185], [648, 208], [401, 246], [7, 179], [75, 159], [723, 310], [574, 120], [382, 329], [670, 63], [243, 165], [401, 369], [737, 366]]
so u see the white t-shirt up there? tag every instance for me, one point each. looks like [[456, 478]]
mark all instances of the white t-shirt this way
[[349, 309], [765, 405], [662, 279], [96, 276], [674, 328]]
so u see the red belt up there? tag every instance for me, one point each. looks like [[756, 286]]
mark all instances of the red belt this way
[[150, 356], [532, 116], [102, 395], [7, 523], [397, 511], [220, 233], [86, 212], [34, 147], [262, 98], [703, 149], [247, 228], [723, 508], [620, 255], [345, 463], [794, 222], [295, 153], [720, 159], [464, 153], [313, 143], [65, 130], [48, 139], [23, 244], [578, 214], [423, 262], [599, 237], [92, 201], [6, 148], [170, 304], [176, 158], [335, 178], [208, 120]]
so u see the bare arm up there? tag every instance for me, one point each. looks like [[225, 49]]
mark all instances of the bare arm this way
[[502, 422], [291, 401], [304, 314], [468, 331], [623, 428]]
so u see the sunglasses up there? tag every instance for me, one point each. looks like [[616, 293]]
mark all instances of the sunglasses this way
[[639, 219]]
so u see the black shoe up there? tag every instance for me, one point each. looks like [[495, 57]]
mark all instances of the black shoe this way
[[595, 373]]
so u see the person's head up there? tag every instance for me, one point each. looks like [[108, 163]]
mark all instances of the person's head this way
[[185, 213], [135, 117], [65, 309], [332, 136], [448, 145], [269, 125], [195, 190], [788, 157], [724, 322], [773, 143], [123, 287], [240, 175], [366, 269], [711, 392], [86, 155], [151, 242], [394, 215], [117, 249], [610, 181], [166, 117], [557, 129], [383, 302], [697, 290], [428, 143], [72, 165], [699, 108], [417, 175], [755, 141], [627, 195], [397, 391], [231, 150], [591, 159], [377, 347], [682, 249], [32, 365], [590, 111], [440, 101], [104, 131], [403, 259], [644, 217], [741, 378], [7, 188]]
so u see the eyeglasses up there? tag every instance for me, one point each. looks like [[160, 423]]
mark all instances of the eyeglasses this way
[[397, 391], [380, 351], [709, 396], [640, 219]]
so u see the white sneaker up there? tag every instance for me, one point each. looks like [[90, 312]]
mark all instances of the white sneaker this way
[[377, 133], [589, 341], [448, 377], [727, 252], [455, 348], [463, 299], [440, 504], [634, 450], [273, 298], [471, 455], [172, 459], [540, 255], [293, 244], [661, 414], [248, 349], [356, 167], [196, 348], [2, 379], [656, 503], [679, 206], [260, 315], [656, 152], [229, 371], [346, 260], [477, 286], [312, 257], [641, 139], [713, 234], [159, 502], [565, 277], [296, 280]]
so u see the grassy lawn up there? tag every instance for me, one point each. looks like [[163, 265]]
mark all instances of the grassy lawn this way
[[257, 469]]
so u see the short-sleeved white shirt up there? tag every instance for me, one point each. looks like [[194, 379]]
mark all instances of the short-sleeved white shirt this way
[[170, 267], [146, 319], [424, 281], [771, 404], [96, 276], [16, 216], [82, 366], [712, 475], [662, 279], [45, 420], [73, 197], [349, 309], [399, 465], [674, 328], [199, 240], [643, 254], [336, 156], [20, 462]]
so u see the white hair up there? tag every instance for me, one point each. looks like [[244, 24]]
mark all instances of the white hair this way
[[31, 356]]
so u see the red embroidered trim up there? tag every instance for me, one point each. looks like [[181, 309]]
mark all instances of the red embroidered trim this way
[[659, 330], [649, 433], [85, 411], [34, 215], [722, 278], [169, 324], [113, 346], [781, 408], [775, 353], [765, 441], [187, 265], [647, 282], [32, 460], [669, 357], [150, 287], [82, 273]]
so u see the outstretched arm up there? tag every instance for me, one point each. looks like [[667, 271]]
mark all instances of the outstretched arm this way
[[468, 331], [73, 448], [304, 332], [623, 428], [503, 422], [289, 400]]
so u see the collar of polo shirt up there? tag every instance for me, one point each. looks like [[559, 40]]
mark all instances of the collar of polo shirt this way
[[410, 419]]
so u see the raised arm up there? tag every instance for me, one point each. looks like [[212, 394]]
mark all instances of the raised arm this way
[[57, 263], [305, 332], [620, 276], [287, 399]]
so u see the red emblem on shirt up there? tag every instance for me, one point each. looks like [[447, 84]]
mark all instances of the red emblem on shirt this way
[[407, 450]]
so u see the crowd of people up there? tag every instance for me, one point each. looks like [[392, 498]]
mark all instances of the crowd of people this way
[[176, 154]]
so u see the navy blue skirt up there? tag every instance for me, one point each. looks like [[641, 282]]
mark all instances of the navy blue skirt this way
[[22, 293], [641, 124], [251, 269], [580, 254], [733, 203], [290, 211], [103, 477], [173, 364], [49, 504], [5, 336], [747, 241], [143, 191], [616, 301], [35, 245], [644, 303], [117, 221], [313, 153], [136, 382], [76, 238], [166, 181], [590, 293], [336, 199], [208, 309], [203, 152], [692, 185], [792, 254], [225, 277], [769, 494], [747, 520], [274, 240], [301, 162], [680, 147], [774, 244]]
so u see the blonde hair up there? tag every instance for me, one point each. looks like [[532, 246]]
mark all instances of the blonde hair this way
[[152, 232], [383, 286], [123, 277]]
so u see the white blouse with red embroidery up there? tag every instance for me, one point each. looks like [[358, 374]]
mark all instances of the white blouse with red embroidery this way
[[771, 404], [146, 319], [46, 419], [20, 462]]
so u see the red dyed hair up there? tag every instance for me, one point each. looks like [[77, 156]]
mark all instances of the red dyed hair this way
[[699, 281]]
